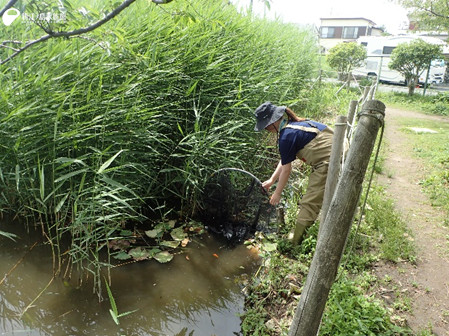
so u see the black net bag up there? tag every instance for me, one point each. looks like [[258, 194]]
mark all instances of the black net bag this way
[[234, 205]]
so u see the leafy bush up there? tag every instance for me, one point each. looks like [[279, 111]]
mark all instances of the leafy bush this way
[[346, 56]]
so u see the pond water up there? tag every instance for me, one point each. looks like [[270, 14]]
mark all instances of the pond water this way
[[198, 293]]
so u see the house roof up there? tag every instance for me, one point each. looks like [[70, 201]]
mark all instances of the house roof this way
[[350, 18]]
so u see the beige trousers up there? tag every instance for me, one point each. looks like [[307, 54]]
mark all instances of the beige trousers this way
[[316, 154]]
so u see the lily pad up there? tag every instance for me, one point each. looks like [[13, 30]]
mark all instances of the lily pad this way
[[154, 233], [170, 243], [122, 256], [153, 252], [178, 234], [163, 257], [139, 253], [125, 233]]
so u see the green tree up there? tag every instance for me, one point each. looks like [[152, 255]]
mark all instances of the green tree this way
[[57, 30], [428, 14], [346, 56], [412, 59]]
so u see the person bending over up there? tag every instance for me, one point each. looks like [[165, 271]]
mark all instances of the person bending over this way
[[307, 140]]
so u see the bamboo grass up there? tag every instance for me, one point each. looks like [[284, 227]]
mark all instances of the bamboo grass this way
[[90, 136]]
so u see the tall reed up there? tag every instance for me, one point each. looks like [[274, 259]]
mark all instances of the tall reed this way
[[92, 135]]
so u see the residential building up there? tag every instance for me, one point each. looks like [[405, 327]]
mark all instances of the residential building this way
[[337, 30]]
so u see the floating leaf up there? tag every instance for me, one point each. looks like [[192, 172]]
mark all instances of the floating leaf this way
[[122, 256], [126, 233], [171, 223], [153, 233], [139, 253], [178, 234], [153, 252], [163, 257], [170, 243]]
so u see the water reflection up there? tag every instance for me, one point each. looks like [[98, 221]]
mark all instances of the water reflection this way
[[198, 293]]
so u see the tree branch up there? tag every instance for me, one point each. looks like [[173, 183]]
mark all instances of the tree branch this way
[[4, 45], [68, 34], [431, 11], [97, 24], [7, 6]]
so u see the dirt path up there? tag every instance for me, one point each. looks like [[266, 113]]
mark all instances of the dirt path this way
[[426, 284]]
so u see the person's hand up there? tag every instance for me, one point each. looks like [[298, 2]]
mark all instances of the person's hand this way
[[267, 184], [275, 199]]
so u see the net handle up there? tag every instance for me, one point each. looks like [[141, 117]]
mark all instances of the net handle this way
[[245, 172]]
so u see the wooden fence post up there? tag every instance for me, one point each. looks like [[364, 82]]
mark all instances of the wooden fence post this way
[[372, 91], [351, 118], [331, 242], [365, 93], [334, 164]]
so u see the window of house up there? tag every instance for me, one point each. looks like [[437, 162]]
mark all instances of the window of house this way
[[327, 32], [351, 32], [387, 50]]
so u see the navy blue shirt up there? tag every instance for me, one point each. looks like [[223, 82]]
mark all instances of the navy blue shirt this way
[[291, 140]]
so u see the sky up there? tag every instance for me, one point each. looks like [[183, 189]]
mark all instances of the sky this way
[[382, 12]]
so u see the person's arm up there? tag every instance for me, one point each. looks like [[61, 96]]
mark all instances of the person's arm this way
[[284, 174], [268, 183]]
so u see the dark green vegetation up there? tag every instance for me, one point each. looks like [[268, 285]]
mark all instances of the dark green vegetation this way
[[344, 57], [412, 58], [95, 137], [431, 104]]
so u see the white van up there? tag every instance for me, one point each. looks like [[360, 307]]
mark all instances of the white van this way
[[379, 49]]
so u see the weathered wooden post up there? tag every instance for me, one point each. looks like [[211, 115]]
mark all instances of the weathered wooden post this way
[[351, 118], [365, 94], [372, 92], [332, 240], [334, 164]]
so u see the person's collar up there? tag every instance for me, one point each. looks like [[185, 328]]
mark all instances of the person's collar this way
[[284, 123]]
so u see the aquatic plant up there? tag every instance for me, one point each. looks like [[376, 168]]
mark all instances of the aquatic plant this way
[[97, 136], [114, 310]]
